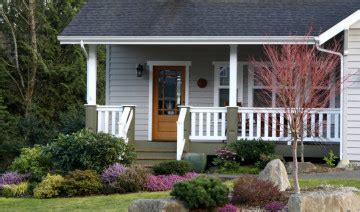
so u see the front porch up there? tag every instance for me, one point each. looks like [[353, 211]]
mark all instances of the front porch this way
[[166, 102]]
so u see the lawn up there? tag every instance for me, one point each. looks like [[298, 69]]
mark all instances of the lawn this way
[[96, 203], [120, 202]]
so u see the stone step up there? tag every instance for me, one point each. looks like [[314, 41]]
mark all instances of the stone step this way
[[155, 154], [151, 162]]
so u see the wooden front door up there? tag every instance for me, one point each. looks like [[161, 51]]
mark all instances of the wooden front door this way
[[168, 95]]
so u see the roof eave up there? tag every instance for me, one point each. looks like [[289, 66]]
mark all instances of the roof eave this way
[[187, 40]]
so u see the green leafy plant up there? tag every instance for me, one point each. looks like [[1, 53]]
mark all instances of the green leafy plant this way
[[132, 180], [15, 190], [226, 160], [202, 192], [250, 190], [49, 187], [250, 151], [89, 150], [330, 159], [32, 160], [172, 167], [82, 183], [265, 159]]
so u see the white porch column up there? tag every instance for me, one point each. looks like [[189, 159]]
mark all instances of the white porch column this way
[[91, 75], [233, 76]]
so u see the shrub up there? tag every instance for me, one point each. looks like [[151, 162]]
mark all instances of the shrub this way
[[166, 182], [49, 187], [32, 160], [265, 159], [330, 159], [172, 167], [201, 192], [132, 180], [10, 178], [15, 190], [229, 208], [249, 151], [111, 174], [226, 160], [81, 183], [89, 150], [252, 191], [274, 206]]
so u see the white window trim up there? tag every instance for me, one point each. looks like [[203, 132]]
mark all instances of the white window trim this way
[[217, 87], [151, 65]]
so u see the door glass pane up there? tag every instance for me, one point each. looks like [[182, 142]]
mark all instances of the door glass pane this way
[[170, 92], [224, 76], [224, 97]]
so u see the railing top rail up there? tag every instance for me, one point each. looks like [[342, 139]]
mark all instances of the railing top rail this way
[[207, 109], [262, 109], [109, 108], [182, 115]]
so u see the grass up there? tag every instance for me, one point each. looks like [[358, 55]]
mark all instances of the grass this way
[[115, 202], [241, 170], [334, 182]]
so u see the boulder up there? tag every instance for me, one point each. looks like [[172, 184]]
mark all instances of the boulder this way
[[304, 167], [275, 172], [325, 200], [343, 164], [157, 205]]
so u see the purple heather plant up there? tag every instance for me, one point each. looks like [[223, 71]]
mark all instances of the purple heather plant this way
[[166, 182], [274, 206], [111, 174], [10, 178], [228, 208]]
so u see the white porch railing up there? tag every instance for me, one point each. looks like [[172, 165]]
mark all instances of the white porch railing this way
[[270, 124], [108, 119], [115, 120], [208, 123], [180, 144]]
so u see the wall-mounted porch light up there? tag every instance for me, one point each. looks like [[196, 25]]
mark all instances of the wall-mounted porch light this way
[[139, 70]]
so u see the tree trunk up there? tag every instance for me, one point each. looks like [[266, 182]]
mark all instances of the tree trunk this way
[[302, 142], [33, 70], [295, 165]]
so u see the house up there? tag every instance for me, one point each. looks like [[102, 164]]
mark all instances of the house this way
[[173, 66]]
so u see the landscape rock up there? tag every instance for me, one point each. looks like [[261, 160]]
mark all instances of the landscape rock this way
[[157, 205], [343, 164], [325, 200], [304, 167], [275, 172]]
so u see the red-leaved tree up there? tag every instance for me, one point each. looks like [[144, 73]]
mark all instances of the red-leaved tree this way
[[303, 79]]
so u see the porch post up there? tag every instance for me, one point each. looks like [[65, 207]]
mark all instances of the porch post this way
[[233, 76], [232, 110], [90, 107]]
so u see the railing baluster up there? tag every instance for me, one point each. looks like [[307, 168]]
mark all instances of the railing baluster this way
[[113, 113], [273, 133], [208, 122], [106, 120], [305, 127], [266, 126], [321, 125], [251, 124], [243, 125], [201, 122], [312, 130], [223, 114], [216, 124], [336, 126], [281, 125], [258, 124], [193, 123], [328, 125]]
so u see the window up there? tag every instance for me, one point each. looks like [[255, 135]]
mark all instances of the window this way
[[224, 77], [263, 96]]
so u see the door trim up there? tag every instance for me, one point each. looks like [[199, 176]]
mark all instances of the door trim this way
[[151, 65]]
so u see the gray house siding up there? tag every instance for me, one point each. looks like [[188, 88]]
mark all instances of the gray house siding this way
[[124, 87], [351, 110]]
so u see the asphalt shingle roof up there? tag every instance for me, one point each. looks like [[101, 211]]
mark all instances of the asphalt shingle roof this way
[[208, 17]]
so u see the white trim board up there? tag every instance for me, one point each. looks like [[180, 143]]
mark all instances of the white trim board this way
[[151, 65], [187, 40]]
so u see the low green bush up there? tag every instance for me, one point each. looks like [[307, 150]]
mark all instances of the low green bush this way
[[50, 186], [82, 183], [201, 193], [15, 190], [132, 180], [330, 159], [32, 160], [172, 167], [250, 151], [265, 159], [89, 150]]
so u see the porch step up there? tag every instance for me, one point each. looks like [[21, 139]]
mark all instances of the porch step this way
[[153, 153]]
